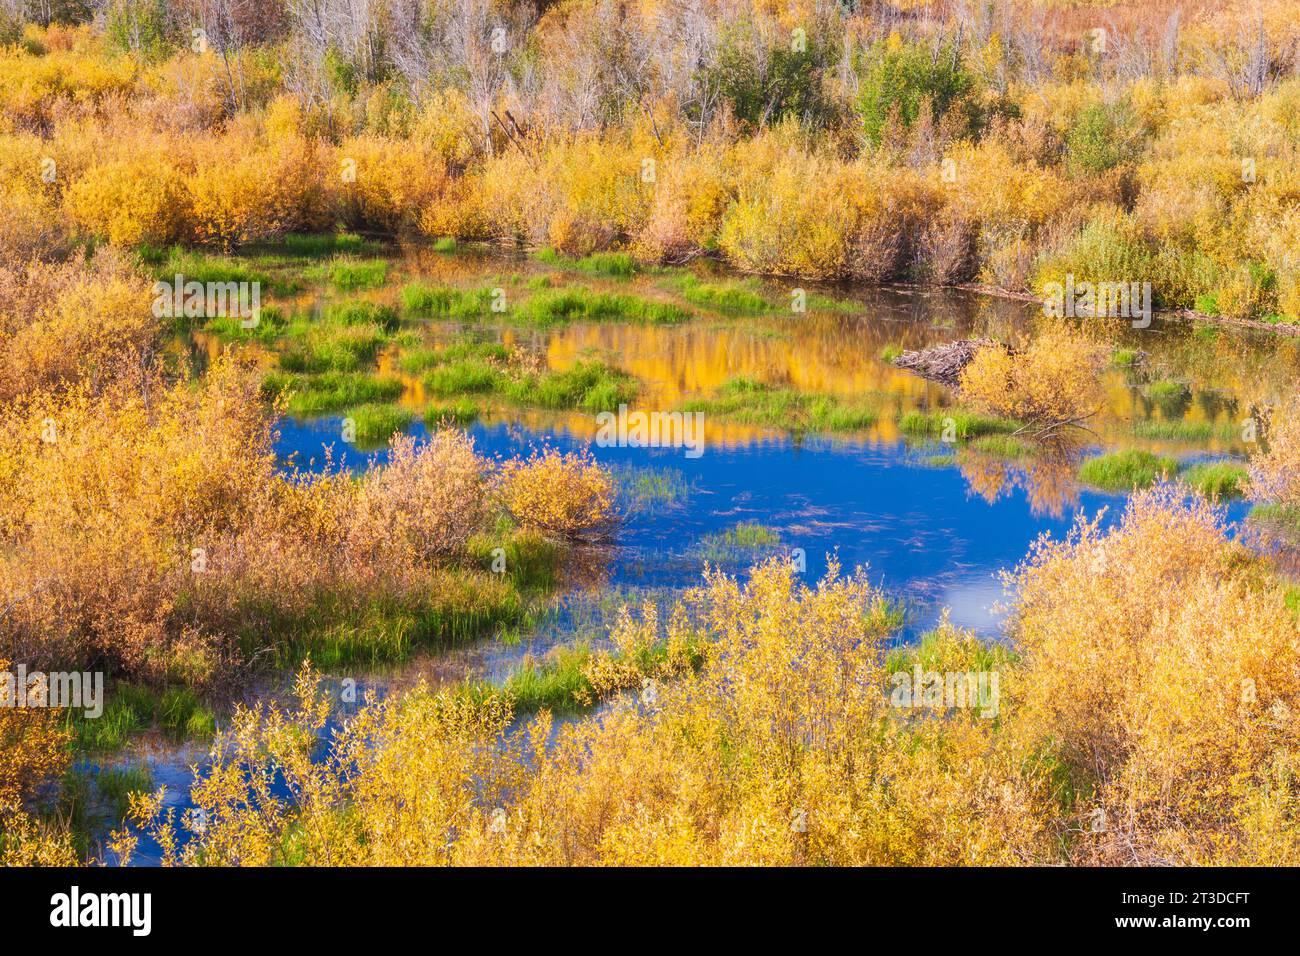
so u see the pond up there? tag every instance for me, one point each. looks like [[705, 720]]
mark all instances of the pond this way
[[934, 522]]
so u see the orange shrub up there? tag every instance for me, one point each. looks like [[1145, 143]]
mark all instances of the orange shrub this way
[[381, 183], [131, 201], [63, 323], [247, 189]]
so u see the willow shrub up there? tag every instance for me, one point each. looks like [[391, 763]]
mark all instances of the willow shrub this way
[[1161, 672], [1053, 379], [1147, 716]]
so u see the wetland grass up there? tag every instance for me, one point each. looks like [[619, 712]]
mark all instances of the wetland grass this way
[[375, 424], [1219, 480], [749, 402], [1126, 470], [317, 394]]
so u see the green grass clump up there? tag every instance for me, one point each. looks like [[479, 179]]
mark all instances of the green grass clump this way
[[1172, 398], [469, 376], [352, 276], [460, 413], [270, 324], [532, 561], [749, 534], [132, 709], [577, 304], [318, 245], [749, 402], [890, 352], [617, 264], [445, 244], [731, 296], [330, 391], [195, 266], [1218, 479], [1282, 521], [592, 386], [1004, 446], [947, 652], [465, 605], [423, 359], [344, 348], [1178, 430], [1126, 470], [557, 682], [438, 301], [116, 784], [647, 489], [738, 543], [1124, 357], [357, 312], [964, 424], [377, 423]]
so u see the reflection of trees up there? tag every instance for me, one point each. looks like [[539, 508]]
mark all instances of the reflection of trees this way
[[1046, 471]]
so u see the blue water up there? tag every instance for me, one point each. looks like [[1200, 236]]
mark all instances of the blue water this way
[[923, 535]]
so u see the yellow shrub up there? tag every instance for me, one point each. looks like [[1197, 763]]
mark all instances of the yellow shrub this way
[[557, 493], [385, 184], [244, 192], [1275, 468], [130, 201], [430, 496], [1161, 669], [69, 322], [781, 750], [692, 192], [1051, 381]]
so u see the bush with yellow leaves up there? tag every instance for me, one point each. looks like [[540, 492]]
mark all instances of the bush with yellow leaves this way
[[68, 322], [33, 750], [555, 493], [1052, 381], [781, 749], [1161, 672], [1275, 469], [258, 184], [430, 496], [384, 183], [131, 201], [1147, 716]]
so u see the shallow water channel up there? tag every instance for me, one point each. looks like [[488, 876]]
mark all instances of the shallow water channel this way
[[933, 523]]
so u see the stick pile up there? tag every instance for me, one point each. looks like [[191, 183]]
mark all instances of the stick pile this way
[[943, 363]]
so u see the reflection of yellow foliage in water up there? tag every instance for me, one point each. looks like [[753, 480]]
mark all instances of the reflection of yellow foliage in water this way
[[1048, 477]]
